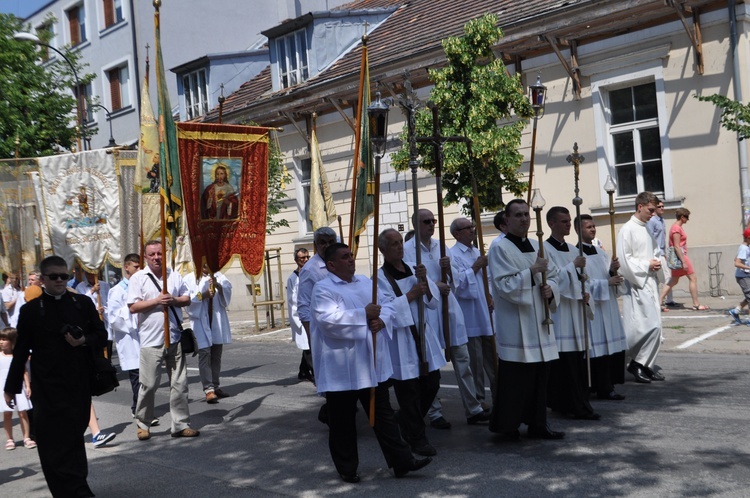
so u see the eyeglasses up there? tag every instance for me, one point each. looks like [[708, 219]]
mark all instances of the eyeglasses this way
[[430, 222], [469, 227], [57, 276], [660, 207]]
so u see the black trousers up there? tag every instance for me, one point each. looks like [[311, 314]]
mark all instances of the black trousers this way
[[521, 396], [342, 437], [414, 399], [568, 385], [305, 364], [606, 371], [135, 385]]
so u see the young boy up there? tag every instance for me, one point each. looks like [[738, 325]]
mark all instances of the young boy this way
[[742, 274]]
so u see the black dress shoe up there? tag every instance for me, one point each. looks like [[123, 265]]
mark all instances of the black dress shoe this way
[[639, 373], [479, 417], [612, 396], [412, 466], [588, 416], [424, 449], [440, 423], [323, 414], [653, 375], [350, 478], [544, 432], [508, 436]]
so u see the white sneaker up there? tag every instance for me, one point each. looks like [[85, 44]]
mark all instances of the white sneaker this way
[[101, 439]]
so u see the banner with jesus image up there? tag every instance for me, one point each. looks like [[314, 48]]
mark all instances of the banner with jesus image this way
[[224, 171]]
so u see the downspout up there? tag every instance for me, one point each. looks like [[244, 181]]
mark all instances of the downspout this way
[[737, 87]]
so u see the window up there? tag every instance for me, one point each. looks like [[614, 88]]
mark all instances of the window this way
[[305, 172], [112, 12], [119, 93], [195, 89], [46, 33], [83, 97], [77, 25], [635, 138], [291, 53]]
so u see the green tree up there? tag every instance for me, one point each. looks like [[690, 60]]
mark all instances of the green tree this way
[[36, 103], [277, 178], [477, 99], [735, 116]]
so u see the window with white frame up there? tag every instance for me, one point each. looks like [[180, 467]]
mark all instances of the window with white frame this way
[[46, 33], [119, 88], [195, 91], [635, 139], [305, 173], [112, 12], [291, 54], [76, 24]]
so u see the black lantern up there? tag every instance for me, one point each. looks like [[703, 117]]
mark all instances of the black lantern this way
[[538, 94], [377, 113]]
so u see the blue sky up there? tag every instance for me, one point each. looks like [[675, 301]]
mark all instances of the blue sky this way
[[21, 8]]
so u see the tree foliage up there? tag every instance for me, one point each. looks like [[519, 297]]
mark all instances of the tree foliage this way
[[36, 103], [277, 178], [735, 116], [477, 99]]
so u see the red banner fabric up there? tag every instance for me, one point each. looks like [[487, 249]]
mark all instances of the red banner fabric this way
[[224, 171]]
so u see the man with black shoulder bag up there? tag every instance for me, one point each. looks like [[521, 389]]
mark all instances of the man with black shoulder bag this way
[[147, 301]]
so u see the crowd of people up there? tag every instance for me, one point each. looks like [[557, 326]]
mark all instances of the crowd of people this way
[[523, 322], [520, 327]]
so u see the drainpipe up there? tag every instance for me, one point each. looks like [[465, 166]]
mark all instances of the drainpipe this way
[[737, 87]]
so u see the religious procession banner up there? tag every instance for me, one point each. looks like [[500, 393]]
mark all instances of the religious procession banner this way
[[224, 171], [21, 237], [126, 169], [82, 207]]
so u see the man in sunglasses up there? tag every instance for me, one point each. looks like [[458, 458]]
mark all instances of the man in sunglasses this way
[[61, 328], [641, 267]]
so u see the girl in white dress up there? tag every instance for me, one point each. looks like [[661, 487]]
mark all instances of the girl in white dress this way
[[8, 338]]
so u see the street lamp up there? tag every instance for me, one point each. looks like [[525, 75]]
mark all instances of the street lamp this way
[[538, 96], [112, 142], [21, 36]]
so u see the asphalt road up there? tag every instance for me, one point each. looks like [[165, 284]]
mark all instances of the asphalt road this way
[[687, 436]]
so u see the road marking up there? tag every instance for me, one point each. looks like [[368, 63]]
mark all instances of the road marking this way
[[701, 337], [686, 317]]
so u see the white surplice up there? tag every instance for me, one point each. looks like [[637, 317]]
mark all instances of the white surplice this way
[[218, 331], [469, 289], [567, 317], [299, 336], [640, 303], [124, 326]]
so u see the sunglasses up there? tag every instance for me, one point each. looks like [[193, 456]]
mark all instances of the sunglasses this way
[[430, 222], [470, 227], [57, 276]]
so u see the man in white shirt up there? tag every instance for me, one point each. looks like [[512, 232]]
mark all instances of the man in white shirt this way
[[468, 282], [641, 267], [11, 293], [147, 301], [97, 290], [209, 298], [299, 336], [344, 324]]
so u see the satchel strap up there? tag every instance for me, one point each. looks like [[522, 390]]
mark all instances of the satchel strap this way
[[174, 311]]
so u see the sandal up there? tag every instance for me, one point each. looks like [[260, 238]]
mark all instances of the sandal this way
[[10, 445], [29, 443], [664, 308], [700, 307]]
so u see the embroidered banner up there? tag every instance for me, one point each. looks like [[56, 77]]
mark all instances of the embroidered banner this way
[[224, 171], [82, 207]]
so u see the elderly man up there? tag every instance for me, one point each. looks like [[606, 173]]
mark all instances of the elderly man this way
[[403, 284], [299, 336], [525, 345], [568, 381], [424, 226], [641, 267], [473, 298], [147, 301], [345, 323]]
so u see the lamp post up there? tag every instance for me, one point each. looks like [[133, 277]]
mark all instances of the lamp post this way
[[377, 115], [21, 36], [538, 96], [537, 204], [609, 187], [112, 142]]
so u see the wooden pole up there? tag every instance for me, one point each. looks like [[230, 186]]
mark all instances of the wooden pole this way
[[164, 269], [375, 228], [531, 160], [540, 235]]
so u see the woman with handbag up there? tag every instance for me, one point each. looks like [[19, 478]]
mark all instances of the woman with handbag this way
[[681, 266]]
